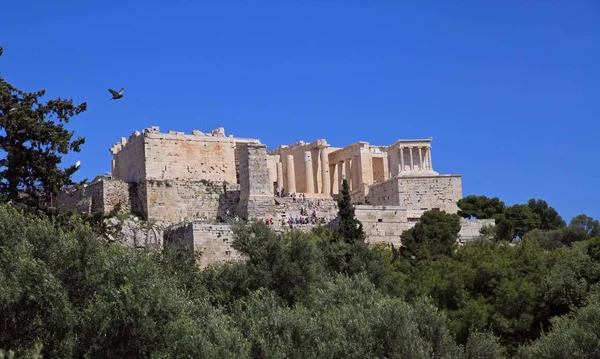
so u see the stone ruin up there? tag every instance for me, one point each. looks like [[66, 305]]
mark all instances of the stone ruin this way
[[191, 180]]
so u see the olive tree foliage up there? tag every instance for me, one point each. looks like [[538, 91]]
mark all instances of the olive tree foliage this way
[[33, 141]]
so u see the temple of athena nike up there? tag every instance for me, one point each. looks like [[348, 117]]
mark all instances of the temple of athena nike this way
[[192, 179]]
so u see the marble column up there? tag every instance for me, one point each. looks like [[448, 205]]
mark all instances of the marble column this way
[[355, 173], [402, 168], [348, 173], [279, 174], [308, 170], [335, 180], [291, 175], [385, 168], [420, 158], [412, 164], [325, 182], [340, 171], [429, 156]]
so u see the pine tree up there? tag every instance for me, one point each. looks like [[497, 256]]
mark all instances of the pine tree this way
[[350, 229], [33, 141]]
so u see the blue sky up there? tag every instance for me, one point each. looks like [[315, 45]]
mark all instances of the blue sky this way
[[509, 90]]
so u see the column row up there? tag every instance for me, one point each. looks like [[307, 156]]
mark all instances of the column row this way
[[424, 159]]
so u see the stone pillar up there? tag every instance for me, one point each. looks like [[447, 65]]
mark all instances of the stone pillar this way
[[308, 170], [412, 165], [279, 174], [326, 184], [420, 158], [429, 155], [348, 173], [340, 175], [291, 175], [356, 180], [402, 168], [385, 168], [335, 179]]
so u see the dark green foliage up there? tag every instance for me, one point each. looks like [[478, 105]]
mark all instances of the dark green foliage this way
[[309, 295], [517, 220], [33, 141], [349, 229], [574, 336], [549, 218], [586, 224], [435, 235], [480, 207]]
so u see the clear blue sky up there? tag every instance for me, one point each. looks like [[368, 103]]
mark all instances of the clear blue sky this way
[[509, 90]]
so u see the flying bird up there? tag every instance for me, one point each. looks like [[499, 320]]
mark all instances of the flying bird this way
[[116, 95]]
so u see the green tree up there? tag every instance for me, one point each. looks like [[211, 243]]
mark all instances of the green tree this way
[[517, 220], [350, 229], [480, 207], [587, 224], [435, 234], [549, 217], [34, 140]]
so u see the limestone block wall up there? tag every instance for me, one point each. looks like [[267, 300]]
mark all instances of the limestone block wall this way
[[100, 196], [383, 224], [212, 242], [429, 192], [79, 200], [384, 193], [175, 199], [469, 228], [256, 199], [128, 159], [196, 156]]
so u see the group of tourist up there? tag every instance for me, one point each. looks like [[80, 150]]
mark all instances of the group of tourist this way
[[298, 220]]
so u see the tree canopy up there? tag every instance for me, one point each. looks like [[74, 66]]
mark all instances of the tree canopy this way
[[34, 140]]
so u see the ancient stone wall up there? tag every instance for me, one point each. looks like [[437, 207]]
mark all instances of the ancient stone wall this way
[[212, 242], [470, 228], [385, 224], [384, 193], [100, 196], [80, 199], [192, 157], [430, 192], [173, 200], [128, 162], [119, 193], [256, 200]]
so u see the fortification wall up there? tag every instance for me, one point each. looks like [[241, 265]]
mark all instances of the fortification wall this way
[[179, 156], [101, 195], [128, 162], [430, 192], [81, 199], [173, 200], [418, 192], [384, 193], [385, 224], [212, 242], [256, 200], [469, 228]]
